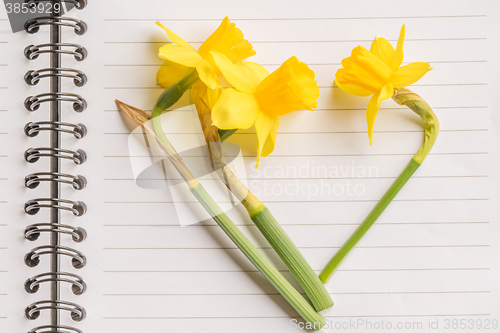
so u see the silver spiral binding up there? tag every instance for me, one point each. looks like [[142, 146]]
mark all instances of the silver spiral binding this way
[[32, 103], [56, 101], [33, 26], [32, 207], [32, 232], [33, 180], [32, 129], [32, 259], [31, 52], [78, 286], [33, 310], [33, 77], [32, 155]]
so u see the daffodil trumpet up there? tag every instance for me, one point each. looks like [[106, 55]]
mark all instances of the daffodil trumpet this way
[[419, 106], [298, 302], [262, 217], [378, 72]]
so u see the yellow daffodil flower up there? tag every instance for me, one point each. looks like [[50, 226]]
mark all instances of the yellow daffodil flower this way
[[378, 72], [181, 56], [259, 98]]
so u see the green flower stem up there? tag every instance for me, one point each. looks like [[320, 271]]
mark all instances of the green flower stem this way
[[224, 134], [296, 300], [419, 106], [172, 94], [262, 217], [292, 257], [276, 278]]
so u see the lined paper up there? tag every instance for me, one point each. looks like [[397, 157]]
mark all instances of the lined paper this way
[[4, 244], [431, 257]]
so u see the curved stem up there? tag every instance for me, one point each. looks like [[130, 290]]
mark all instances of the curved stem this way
[[419, 106], [284, 287]]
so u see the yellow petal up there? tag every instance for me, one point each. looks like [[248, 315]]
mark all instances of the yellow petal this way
[[398, 55], [228, 40], [289, 88], [264, 125], [180, 55], [353, 89], [373, 106], [371, 114], [209, 96], [383, 50], [271, 139], [409, 74], [207, 75], [253, 71], [364, 69], [175, 38], [169, 73], [213, 96], [235, 109], [243, 77], [208, 44], [370, 63]]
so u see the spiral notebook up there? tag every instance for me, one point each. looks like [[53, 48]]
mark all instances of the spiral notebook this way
[[85, 247]]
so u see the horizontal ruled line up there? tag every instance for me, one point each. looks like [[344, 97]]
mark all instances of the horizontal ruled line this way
[[319, 41], [317, 132], [287, 224], [355, 109], [335, 293], [338, 270], [300, 18], [301, 201], [321, 87], [324, 155], [300, 247], [307, 178], [291, 317], [311, 64]]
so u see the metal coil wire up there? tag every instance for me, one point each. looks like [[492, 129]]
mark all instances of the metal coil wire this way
[[32, 155], [77, 312], [33, 231], [33, 128], [32, 77], [33, 25], [32, 207], [31, 52], [78, 182], [32, 103], [32, 258], [78, 286], [54, 251]]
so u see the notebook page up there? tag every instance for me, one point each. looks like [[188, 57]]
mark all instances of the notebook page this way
[[3, 179], [428, 258]]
